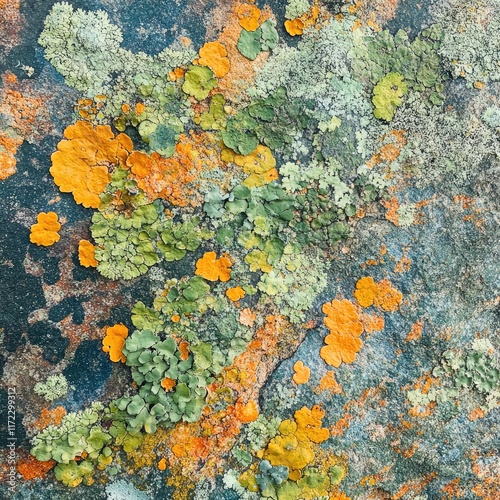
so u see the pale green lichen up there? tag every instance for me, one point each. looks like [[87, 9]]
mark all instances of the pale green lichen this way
[[55, 387], [471, 43], [295, 8]]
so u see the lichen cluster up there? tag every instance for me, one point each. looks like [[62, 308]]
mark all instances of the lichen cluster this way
[[237, 206]]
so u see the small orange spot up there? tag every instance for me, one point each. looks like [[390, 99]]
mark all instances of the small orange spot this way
[[184, 350], [415, 332], [175, 318], [168, 384], [125, 108], [162, 464]]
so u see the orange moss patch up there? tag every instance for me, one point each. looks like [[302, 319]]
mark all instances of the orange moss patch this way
[[328, 383], [403, 265], [302, 373], [248, 16], [82, 163], [174, 179], [213, 269], [380, 294], [235, 293], [388, 298], [114, 341], [375, 13], [86, 254], [415, 332], [23, 117], [242, 70], [214, 55], [49, 417], [31, 468], [45, 231]]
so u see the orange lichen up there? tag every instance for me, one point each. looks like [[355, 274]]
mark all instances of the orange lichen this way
[[45, 231], [174, 178], [296, 26], [392, 207], [184, 350], [371, 323], [248, 16], [340, 348], [380, 294], [388, 298], [235, 293], [328, 383], [390, 151], [49, 417], [86, 254], [342, 318], [24, 115], [476, 414], [246, 413], [31, 468], [162, 464], [176, 74], [415, 332], [247, 317], [302, 373], [82, 163], [366, 291], [9, 143], [114, 341], [168, 384], [214, 55], [213, 269]]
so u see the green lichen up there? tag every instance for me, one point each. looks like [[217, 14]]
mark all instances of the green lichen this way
[[387, 96], [199, 81], [55, 387], [252, 43], [295, 8]]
